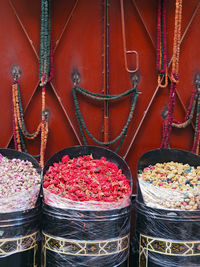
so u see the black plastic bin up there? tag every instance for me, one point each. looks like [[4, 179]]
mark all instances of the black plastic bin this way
[[20, 231], [86, 238], [166, 238]]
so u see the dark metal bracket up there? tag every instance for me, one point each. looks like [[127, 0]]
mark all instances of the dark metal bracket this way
[[46, 114], [16, 72], [75, 77], [135, 78], [197, 80], [164, 113]]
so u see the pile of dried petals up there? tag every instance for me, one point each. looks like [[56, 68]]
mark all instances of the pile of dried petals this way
[[87, 179], [19, 184]]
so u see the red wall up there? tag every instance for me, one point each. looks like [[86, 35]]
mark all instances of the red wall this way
[[78, 30]]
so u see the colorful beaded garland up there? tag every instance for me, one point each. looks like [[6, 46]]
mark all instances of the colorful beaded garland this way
[[46, 74], [167, 125]]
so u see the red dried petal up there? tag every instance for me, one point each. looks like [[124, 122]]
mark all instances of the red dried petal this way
[[85, 179]]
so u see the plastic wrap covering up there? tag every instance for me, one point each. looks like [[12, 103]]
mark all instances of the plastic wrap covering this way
[[85, 238], [20, 201], [166, 238], [26, 198], [132, 233], [64, 203], [20, 238], [168, 198]]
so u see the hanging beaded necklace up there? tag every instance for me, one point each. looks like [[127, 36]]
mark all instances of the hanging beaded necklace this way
[[46, 73], [194, 102], [195, 97], [195, 147], [167, 125], [161, 54], [103, 97]]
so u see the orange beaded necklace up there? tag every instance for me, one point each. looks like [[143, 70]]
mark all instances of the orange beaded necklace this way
[[195, 97], [46, 74], [177, 41], [20, 129]]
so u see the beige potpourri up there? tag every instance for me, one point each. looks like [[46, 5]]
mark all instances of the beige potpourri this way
[[19, 185], [171, 185]]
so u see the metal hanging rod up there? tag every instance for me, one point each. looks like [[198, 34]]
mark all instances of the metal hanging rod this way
[[126, 52]]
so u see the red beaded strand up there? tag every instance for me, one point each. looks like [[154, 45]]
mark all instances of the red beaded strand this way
[[189, 113], [167, 125]]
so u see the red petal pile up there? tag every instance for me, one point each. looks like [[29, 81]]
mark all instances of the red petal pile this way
[[86, 179]]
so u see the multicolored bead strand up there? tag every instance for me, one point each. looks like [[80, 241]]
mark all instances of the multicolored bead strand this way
[[190, 112], [167, 125], [19, 129], [46, 68], [20, 118], [44, 130], [46, 74], [170, 122], [16, 129], [46, 53], [195, 147], [177, 40]]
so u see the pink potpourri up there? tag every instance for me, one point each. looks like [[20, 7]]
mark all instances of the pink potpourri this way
[[19, 185], [87, 179]]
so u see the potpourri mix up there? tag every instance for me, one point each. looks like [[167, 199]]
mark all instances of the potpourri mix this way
[[19, 185], [171, 185], [86, 183]]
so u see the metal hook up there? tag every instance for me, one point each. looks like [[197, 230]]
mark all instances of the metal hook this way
[[46, 114], [124, 44], [75, 77], [15, 72], [197, 80], [164, 113], [135, 78]]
